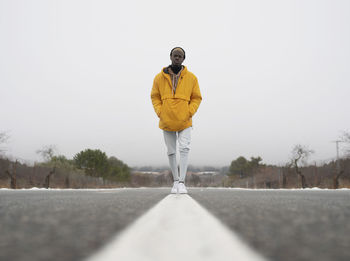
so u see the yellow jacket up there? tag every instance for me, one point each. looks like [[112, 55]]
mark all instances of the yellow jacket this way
[[175, 111]]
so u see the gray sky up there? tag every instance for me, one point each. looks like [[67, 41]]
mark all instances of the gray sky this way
[[78, 74]]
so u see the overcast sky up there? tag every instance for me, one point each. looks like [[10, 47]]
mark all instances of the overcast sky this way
[[78, 75]]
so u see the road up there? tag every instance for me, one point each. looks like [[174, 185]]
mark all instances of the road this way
[[74, 224], [285, 224], [66, 224]]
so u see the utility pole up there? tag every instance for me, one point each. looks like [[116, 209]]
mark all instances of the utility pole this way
[[338, 172], [337, 147]]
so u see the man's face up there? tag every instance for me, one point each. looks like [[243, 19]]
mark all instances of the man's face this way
[[177, 57]]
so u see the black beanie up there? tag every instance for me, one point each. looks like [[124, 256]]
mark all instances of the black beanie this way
[[178, 48]]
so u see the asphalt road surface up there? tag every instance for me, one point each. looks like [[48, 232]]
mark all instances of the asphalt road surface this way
[[68, 224], [285, 224], [73, 224]]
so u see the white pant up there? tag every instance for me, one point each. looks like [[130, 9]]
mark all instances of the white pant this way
[[184, 139]]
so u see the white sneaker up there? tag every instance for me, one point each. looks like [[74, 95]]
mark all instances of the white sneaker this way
[[174, 189], [182, 188]]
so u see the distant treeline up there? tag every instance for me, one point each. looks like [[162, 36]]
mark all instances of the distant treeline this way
[[94, 169], [248, 174], [88, 169], [244, 175]]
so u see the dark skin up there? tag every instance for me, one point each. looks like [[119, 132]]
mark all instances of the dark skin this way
[[177, 58]]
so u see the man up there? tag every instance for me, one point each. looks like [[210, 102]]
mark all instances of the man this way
[[176, 97]]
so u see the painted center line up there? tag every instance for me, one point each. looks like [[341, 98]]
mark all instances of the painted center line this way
[[177, 228]]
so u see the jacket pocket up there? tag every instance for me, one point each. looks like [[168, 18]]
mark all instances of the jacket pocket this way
[[182, 110], [174, 113], [160, 111], [189, 111]]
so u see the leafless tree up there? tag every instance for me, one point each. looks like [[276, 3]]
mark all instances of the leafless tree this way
[[48, 153], [12, 175], [3, 139], [346, 139], [337, 173], [339, 169], [300, 155], [47, 178]]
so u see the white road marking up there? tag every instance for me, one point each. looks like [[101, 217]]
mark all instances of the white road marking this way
[[177, 228]]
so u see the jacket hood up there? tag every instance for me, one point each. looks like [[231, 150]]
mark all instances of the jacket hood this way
[[165, 70]]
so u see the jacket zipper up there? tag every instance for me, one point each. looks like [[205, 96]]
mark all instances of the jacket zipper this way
[[169, 81], [171, 84], [178, 84]]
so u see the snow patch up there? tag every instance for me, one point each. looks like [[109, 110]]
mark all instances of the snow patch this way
[[283, 189]]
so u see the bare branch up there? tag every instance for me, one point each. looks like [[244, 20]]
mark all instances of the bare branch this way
[[345, 137], [47, 152], [3, 139], [300, 153]]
